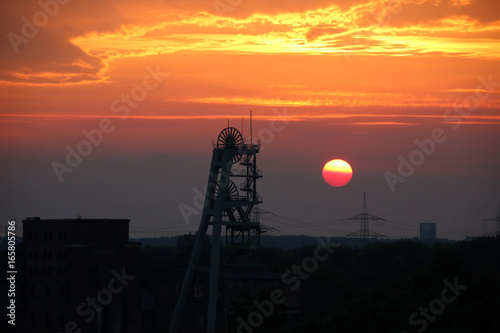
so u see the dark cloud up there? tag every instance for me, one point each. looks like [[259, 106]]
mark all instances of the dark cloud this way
[[36, 40]]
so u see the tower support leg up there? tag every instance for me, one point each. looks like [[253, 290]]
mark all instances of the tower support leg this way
[[188, 278], [214, 278]]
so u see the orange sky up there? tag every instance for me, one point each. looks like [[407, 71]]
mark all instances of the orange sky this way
[[324, 58], [314, 53], [395, 65]]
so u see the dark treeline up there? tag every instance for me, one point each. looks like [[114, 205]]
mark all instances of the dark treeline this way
[[403, 286]]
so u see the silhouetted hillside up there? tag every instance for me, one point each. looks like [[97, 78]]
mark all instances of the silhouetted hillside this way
[[381, 287]]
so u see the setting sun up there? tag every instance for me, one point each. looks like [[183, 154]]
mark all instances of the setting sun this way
[[337, 173]]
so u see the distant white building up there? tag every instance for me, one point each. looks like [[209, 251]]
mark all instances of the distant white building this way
[[428, 232]]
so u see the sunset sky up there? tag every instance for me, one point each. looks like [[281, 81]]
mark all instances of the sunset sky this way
[[357, 80]]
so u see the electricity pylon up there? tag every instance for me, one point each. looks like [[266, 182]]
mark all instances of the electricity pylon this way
[[495, 219], [364, 218]]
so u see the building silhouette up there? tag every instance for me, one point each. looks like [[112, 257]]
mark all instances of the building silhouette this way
[[80, 274], [428, 232]]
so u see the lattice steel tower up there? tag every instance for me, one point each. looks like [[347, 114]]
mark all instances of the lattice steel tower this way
[[225, 207], [364, 218], [497, 220]]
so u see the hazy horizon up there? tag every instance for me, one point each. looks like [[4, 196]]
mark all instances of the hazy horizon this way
[[139, 91]]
